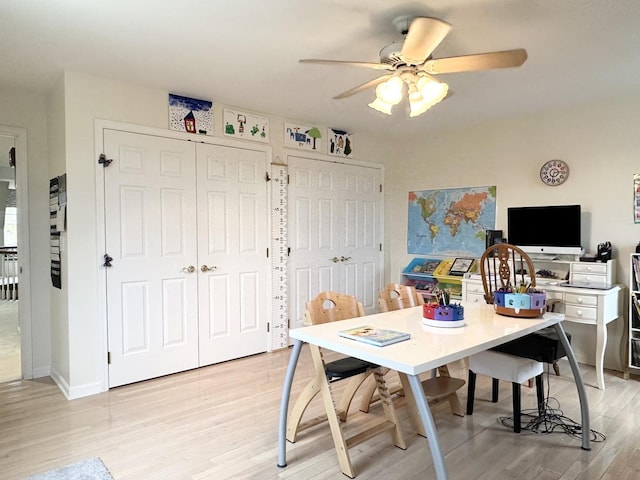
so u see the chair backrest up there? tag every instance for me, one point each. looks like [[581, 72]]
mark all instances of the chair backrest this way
[[330, 307], [503, 265], [396, 296]]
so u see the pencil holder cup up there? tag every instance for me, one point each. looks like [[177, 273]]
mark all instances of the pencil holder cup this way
[[498, 298], [528, 305], [434, 311]]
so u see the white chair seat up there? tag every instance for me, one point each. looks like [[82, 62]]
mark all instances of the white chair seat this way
[[504, 366]]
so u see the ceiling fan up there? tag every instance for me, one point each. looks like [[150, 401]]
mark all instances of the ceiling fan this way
[[411, 62]]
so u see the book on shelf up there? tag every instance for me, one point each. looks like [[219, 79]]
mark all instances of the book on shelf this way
[[635, 316], [635, 352], [374, 336], [635, 260]]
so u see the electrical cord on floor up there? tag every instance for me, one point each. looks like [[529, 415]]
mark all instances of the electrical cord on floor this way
[[552, 420]]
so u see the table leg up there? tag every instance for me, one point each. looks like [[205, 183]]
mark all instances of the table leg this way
[[419, 402], [601, 342], [284, 403], [582, 394]]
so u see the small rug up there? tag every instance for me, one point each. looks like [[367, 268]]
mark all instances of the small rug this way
[[89, 469]]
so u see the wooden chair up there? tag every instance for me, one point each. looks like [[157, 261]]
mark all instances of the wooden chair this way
[[501, 266], [441, 387], [330, 307], [543, 345]]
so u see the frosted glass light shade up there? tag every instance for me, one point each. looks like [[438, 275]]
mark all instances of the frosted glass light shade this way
[[381, 106], [432, 91], [390, 91]]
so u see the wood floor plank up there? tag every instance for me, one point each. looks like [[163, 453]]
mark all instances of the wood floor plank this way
[[220, 422]]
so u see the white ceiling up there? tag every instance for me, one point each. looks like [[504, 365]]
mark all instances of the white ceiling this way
[[245, 53]]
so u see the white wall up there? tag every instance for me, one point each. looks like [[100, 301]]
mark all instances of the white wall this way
[[79, 364], [60, 368], [598, 142]]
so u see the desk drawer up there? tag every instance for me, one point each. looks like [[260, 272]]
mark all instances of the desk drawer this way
[[588, 267], [475, 297], [580, 313], [593, 279], [575, 299], [475, 288]]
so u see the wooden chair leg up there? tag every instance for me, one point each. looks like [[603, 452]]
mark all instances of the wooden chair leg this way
[[389, 409], [334, 424], [368, 392], [454, 401], [390, 422], [540, 394], [471, 392], [294, 425], [495, 384], [349, 392], [517, 413]]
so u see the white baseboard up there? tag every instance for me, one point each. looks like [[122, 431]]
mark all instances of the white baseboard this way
[[71, 393]]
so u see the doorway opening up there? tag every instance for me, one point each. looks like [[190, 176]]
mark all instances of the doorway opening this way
[[10, 339]]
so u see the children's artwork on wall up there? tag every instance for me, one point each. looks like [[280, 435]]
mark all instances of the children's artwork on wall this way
[[302, 136], [190, 115], [245, 125], [339, 143]]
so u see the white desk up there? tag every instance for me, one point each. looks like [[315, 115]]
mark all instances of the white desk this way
[[428, 348], [589, 306]]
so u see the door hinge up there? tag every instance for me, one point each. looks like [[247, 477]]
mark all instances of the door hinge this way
[[107, 260], [288, 251], [268, 327], [104, 161], [380, 247], [108, 358], [267, 252], [267, 177], [380, 188]]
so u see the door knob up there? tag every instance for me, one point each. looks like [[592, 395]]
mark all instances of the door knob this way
[[205, 268], [335, 259], [189, 269], [344, 259]]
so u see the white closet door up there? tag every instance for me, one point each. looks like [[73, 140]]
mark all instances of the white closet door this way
[[233, 238], [335, 232], [150, 214]]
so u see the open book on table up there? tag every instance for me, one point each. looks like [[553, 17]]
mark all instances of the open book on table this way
[[374, 336]]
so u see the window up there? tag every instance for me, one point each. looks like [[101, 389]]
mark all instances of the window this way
[[11, 227]]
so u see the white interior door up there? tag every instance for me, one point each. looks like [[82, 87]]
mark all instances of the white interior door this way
[[150, 215], [335, 232], [233, 265]]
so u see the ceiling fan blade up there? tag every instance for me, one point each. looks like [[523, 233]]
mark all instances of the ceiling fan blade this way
[[370, 84], [424, 35], [479, 61], [375, 66]]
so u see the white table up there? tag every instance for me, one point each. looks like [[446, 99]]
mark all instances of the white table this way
[[428, 348]]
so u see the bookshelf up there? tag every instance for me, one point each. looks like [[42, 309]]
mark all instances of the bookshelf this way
[[634, 314], [427, 274]]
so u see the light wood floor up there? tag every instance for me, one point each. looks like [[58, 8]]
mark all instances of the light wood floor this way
[[220, 422], [9, 342]]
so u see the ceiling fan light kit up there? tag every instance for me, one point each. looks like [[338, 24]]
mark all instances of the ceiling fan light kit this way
[[412, 63], [423, 92]]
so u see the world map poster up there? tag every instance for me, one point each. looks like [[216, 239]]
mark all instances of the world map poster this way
[[451, 222]]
